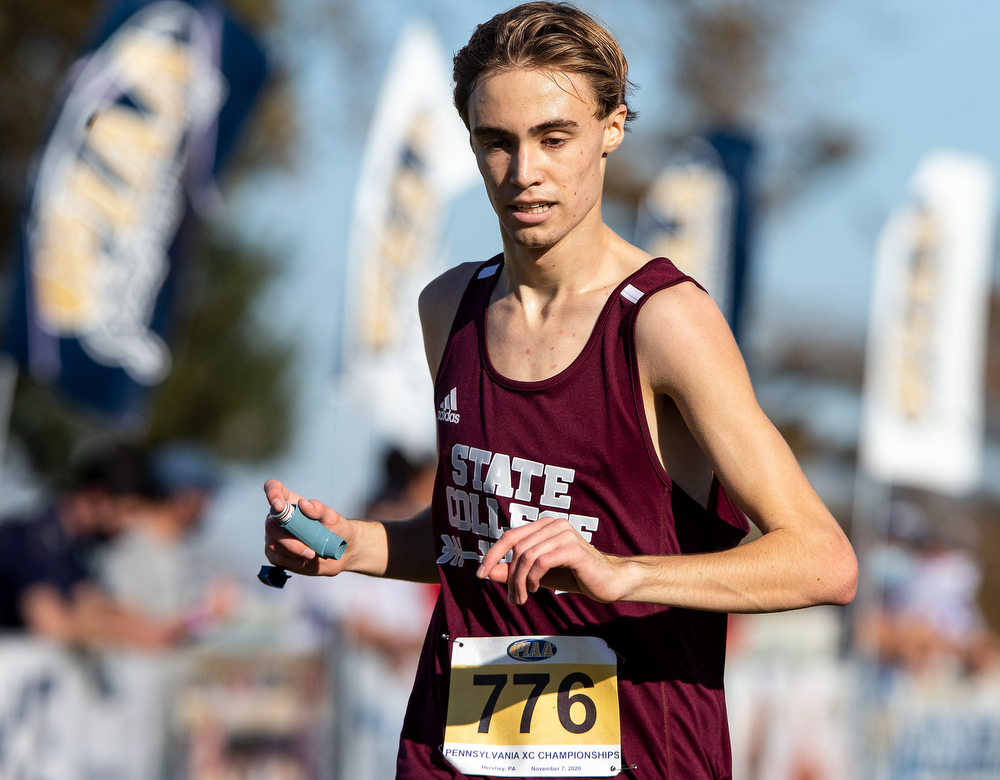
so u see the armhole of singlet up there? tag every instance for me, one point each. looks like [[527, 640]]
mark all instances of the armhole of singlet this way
[[484, 273], [719, 502], [638, 299]]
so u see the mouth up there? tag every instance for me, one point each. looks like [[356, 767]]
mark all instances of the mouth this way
[[532, 208]]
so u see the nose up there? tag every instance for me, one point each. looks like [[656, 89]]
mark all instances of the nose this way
[[524, 169]]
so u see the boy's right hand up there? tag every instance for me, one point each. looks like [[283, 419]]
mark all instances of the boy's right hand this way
[[283, 549]]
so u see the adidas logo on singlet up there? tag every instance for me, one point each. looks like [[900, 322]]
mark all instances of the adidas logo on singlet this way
[[448, 408]]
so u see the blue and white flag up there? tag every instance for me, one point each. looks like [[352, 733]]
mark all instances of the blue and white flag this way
[[148, 116], [697, 213], [686, 216]]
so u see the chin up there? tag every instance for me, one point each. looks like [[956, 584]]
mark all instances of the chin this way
[[534, 244], [533, 239]]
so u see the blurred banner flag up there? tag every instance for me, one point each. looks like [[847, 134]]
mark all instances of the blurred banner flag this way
[[923, 417], [416, 160], [697, 213], [148, 115]]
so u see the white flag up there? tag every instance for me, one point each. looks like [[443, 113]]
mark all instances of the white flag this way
[[924, 376], [417, 159]]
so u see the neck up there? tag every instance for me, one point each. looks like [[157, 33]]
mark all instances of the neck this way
[[573, 264], [157, 521], [580, 263]]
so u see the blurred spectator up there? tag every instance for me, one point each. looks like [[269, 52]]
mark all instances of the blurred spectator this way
[[48, 584], [149, 565], [406, 488], [383, 623], [930, 618], [392, 619], [788, 696]]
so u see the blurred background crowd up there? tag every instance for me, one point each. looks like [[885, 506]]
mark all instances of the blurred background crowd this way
[[215, 216]]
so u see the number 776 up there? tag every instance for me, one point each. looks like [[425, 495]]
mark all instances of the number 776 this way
[[564, 699]]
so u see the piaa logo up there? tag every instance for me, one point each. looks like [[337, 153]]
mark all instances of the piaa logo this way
[[531, 650]]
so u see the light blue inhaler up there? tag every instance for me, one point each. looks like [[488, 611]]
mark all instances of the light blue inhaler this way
[[311, 533]]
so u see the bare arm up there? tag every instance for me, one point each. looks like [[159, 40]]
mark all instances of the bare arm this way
[[803, 558], [401, 549], [90, 618], [438, 305]]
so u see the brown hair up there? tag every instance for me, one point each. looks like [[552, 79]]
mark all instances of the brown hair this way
[[545, 36]]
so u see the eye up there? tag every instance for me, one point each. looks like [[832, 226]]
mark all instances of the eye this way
[[492, 143], [554, 142]]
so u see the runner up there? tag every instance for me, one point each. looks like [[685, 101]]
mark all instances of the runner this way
[[599, 444]]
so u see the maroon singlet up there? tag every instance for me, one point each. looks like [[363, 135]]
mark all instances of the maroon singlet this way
[[577, 444]]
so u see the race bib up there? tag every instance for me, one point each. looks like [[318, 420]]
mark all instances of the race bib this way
[[521, 706]]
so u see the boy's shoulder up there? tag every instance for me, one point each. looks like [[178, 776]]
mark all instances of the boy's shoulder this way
[[438, 303]]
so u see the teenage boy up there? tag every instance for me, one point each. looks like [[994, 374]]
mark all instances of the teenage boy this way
[[597, 431]]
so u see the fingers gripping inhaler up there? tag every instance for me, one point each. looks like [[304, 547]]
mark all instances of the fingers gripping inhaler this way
[[311, 533]]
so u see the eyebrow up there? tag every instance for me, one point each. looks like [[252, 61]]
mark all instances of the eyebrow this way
[[544, 127]]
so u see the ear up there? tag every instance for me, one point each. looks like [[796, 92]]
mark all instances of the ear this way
[[614, 128]]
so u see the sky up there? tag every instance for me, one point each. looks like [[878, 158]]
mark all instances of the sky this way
[[911, 77], [908, 77]]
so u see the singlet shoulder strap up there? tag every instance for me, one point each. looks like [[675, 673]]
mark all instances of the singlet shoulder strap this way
[[474, 298], [479, 286], [489, 268], [657, 274]]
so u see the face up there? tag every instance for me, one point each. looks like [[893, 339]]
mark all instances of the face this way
[[541, 150], [187, 508], [96, 514]]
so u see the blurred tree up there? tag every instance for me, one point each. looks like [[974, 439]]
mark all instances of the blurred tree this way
[[722, 58], [225, 389], [723, 61], [38, 41]]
